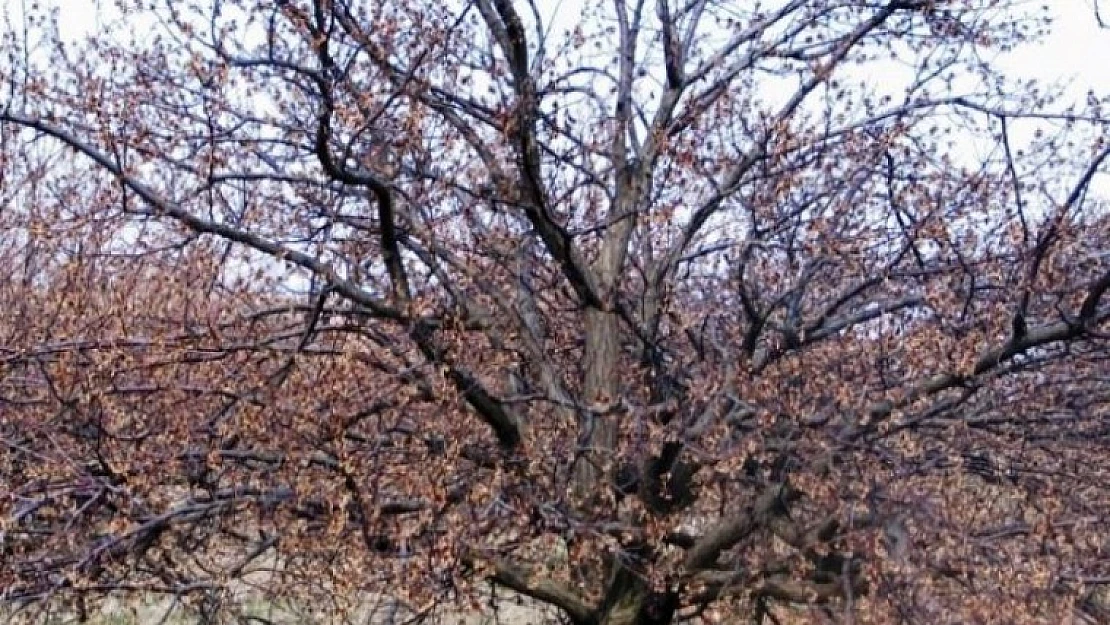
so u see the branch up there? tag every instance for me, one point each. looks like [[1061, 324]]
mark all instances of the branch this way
[[524, 580], [733, 177], [384, 197], [164, 206], [718, 585], [807, 592], [1051, 234], [380, 188], [732, 530], [502, 19], [1067, 330], [506, 425], [829, 327]]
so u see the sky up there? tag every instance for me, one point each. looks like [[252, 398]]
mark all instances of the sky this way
[[1074, 56], [1078, 50]]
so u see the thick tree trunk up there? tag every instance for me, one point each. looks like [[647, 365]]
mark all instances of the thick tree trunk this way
[[630, 601], [599, 387]]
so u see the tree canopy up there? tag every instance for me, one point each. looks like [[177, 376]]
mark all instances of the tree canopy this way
[[651, 311]]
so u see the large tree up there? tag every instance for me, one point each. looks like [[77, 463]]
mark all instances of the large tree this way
[[649, 311]]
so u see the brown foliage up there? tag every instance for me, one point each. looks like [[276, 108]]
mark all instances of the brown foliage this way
[[404, 299]]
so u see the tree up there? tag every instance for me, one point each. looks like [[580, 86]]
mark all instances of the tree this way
[[405, 299]]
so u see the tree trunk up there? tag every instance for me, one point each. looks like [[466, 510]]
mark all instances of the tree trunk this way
[[599, 387], [630, 601]]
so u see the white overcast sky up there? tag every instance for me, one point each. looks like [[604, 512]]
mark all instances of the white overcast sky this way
[[1077, 52]]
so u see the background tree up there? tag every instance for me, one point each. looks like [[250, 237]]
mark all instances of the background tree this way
[[407, 298]]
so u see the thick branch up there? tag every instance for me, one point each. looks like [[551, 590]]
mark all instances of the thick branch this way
[[525, 581], [732, 530], [796, 591], [164, 206], [1036, 337], [390, 250], [380, 188], [508, 29], [506, 425], [732, 178]]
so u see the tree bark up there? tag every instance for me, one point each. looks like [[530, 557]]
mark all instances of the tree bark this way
[[599, 386], [630, 601]]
